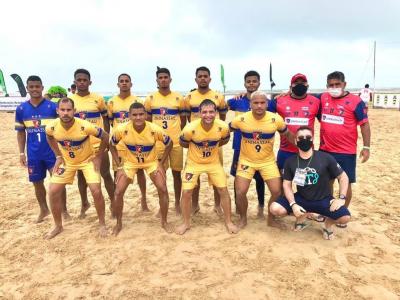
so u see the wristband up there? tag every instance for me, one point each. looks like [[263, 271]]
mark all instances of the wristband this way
[[291, 205], [342, 197], [366, 147], [21, 154]]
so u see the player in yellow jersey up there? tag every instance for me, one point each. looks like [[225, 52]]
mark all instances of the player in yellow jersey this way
[[118, 113], [139, 138], [258, 128], [192, 102], [204, 137], [167, 109], [69, 138], [91, 107]]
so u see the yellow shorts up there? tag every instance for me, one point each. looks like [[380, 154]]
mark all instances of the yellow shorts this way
[[175, 158], [130, 169], [268, 170], [66, 174], [215, 172]]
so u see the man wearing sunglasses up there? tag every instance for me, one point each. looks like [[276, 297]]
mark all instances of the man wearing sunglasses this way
[[312, 171]]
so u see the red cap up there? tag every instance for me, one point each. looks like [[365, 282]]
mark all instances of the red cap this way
[[298, 76]]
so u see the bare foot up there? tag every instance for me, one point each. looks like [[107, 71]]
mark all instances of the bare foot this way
[[53, 233], [260, 213], [167, 227], [232, 228], [117, 228], [182, 229], [178, 210], [218, 210], [103, 231], [84, 208], [271, 222], [195, 210], [242, 223], [66, 216], [43, 214]]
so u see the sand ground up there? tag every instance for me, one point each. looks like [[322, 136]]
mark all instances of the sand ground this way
[[144, 262]]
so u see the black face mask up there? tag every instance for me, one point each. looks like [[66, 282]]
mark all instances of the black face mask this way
[[304, 144], [299, 89]]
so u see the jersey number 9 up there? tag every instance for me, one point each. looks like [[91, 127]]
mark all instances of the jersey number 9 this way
[[258, 148]]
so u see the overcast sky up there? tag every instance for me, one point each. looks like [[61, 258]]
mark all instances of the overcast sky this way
[[315, 37]]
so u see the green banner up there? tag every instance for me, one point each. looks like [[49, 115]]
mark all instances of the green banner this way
[[2, 84], [223, 77]]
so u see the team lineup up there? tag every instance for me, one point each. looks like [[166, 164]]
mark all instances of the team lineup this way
[[75, 135]]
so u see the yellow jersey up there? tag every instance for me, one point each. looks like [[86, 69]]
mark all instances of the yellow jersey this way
[[204, 145], [193, 100], [91, 108], [118, 109], [166, 112], [74, 142], [140, 147], [257, 136]]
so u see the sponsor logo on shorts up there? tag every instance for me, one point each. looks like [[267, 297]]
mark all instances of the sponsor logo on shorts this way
[[244, 167], [332, 119], [188, 176]]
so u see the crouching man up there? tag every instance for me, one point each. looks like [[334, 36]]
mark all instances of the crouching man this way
[[311, 171]]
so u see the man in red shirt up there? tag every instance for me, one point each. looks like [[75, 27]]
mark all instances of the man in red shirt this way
[[298, 109], [340, 114]]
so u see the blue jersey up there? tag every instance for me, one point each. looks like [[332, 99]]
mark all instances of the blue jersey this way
[[239, 106], [33, 119]]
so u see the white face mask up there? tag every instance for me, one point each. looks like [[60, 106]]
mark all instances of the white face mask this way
[[335, 92]]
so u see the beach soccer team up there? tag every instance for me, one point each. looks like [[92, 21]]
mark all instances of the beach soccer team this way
[[75, 135]]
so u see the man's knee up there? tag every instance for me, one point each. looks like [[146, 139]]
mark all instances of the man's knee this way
[[277, 210], [343, 220]]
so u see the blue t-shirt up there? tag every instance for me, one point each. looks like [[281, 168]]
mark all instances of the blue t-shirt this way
[[239, 106], [33, 119]]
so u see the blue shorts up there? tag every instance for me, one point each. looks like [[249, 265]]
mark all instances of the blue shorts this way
[[282, 157], [347, 162], [37, 168], [316, 206]]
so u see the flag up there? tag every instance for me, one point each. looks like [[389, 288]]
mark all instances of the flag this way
[[3, 88], [223, 77], [270, 76], [20, 84]]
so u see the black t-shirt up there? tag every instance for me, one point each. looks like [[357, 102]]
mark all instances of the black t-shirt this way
[[322, 167]]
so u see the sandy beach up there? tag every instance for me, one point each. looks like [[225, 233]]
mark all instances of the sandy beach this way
[[144, 262]]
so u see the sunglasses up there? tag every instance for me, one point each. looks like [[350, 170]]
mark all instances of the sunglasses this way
[[304, 137]]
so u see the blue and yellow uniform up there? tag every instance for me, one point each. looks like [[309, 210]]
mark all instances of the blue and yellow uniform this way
[[118, 113], [166, 112], [33, 120], [140, 147], [193, 100], [256, 148], [91, 108], [76, 150], [203, 154]]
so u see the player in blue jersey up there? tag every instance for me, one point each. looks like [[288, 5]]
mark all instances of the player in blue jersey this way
[[31, 118], [241, 105]]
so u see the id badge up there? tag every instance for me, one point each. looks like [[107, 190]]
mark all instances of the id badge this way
[[300, 176]]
